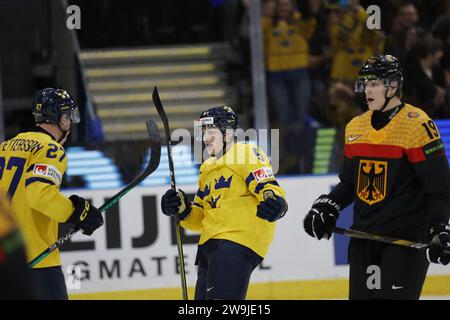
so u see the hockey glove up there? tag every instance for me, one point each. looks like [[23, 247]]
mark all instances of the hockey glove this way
[[173, 202], [440, 240], [272, 208], [87, 217], [322, 216]]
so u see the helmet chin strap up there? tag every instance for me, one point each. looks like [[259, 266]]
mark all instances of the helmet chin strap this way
[[224, 144], [65, 134], [386, 100]]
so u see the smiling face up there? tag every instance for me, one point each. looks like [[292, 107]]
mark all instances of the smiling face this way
[[214, 141]]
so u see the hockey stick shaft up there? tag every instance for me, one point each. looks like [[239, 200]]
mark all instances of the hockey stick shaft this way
[[162, 114], [368, 236], [155, 145]]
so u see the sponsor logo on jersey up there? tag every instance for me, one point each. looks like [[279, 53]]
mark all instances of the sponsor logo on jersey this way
[[372, 180], [434, 149], [353, 137], [394, 287], [48, 171], [262, 174]]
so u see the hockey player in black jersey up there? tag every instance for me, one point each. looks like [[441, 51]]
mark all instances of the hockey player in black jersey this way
[[395, 170]]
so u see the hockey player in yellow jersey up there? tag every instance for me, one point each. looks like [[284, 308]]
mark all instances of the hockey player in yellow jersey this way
[[32, 165], [235, 209]]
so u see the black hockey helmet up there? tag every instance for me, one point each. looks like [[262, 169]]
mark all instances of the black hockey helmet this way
[[222, 118], [381, 67], [50, 104]]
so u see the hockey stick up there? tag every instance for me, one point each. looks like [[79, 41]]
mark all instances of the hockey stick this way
[[368, 236], [155, 146], [163, 116]]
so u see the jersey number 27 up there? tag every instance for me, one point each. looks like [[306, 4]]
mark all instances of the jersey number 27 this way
[[16, 162]]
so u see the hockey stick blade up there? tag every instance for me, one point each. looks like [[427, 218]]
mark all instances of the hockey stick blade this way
[[162, 114], [155, 157], [368, 236]]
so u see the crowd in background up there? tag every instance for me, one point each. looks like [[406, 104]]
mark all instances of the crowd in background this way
[[315, 48], [313, 51]]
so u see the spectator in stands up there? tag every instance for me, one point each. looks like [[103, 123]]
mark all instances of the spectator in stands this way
[[268, 8], [237, 35], [400, 42], [388, 9], [342, 104], [422, 86], [441, 30], [319, 58], [351, 41], [430, 10], [351, 44], [286, 38]]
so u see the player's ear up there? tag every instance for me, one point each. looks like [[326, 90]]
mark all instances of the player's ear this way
[[393, 87], [394, 84]]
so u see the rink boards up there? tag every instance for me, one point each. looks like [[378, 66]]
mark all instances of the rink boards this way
[[134, 255]]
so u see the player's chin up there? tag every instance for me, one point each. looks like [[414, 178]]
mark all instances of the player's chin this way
[[374, 106], [211, 150]]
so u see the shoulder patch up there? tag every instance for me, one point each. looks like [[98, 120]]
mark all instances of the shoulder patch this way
[[48, 171], [262, 174], [413, 114]]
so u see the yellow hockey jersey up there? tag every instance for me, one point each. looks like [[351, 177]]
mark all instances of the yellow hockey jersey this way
[[286, 44], [352, 43], [230, 189], [32, 165]]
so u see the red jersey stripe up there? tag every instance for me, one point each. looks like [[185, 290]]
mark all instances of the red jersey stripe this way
[[383, 151]]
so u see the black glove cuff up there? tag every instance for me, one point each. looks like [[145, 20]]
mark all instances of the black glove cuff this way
[[328, 203], [186, 213], [439, 228]]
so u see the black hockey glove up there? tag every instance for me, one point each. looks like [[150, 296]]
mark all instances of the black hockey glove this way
[[322, 216], [87, 217], [272, 208], [440, 240], [173, 202]]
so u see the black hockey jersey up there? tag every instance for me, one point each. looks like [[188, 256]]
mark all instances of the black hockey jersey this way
[[398, 175]]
